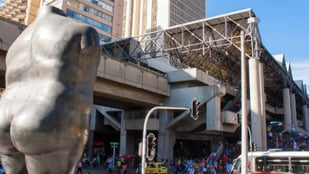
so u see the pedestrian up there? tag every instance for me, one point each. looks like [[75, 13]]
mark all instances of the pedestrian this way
[[118, 164], [93, 163], [228, 166], [139, 170], [79, 167], [213, 168], [86, 161], [191, 170], [124, 168], [110, 168]]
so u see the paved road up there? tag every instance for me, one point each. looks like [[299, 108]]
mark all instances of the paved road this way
[[101, 170]]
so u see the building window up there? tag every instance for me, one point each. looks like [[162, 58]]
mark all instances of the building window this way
[[104, 39], [89, 21], [102, 5], [92, 11]]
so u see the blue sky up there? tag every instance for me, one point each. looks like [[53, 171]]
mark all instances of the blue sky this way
[[284, 28]]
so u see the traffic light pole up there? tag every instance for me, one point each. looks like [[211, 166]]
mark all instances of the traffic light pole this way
[[250, 138], [143, 165], [244, 121]]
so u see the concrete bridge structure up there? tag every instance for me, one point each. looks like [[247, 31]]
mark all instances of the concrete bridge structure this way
[[171, 67]]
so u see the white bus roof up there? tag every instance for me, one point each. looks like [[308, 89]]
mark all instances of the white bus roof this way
[[279, 153]]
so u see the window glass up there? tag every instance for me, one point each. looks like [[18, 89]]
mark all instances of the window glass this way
[[102, 5], [104, 38], [89, 21], [92, 11], [268, 164], [299, 165]]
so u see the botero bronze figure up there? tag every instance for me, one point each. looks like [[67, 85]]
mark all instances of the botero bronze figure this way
[[44, 110]]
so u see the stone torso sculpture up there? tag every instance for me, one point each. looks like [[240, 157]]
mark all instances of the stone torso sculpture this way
[[44, 110]]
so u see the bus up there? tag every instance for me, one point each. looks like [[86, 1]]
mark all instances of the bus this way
[[274, 162]]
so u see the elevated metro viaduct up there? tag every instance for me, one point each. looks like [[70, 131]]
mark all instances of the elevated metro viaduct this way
[[170, 67]]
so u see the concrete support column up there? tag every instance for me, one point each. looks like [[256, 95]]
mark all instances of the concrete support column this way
[[293, 110], [213, 112], [287, 108], [305, 116], [255, 104], [263, 107], [166, 137], [123, 136], [90, 143], [92, 122], [308, 118]]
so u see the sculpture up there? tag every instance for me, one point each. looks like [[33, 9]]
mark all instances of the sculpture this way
[[44, 111]]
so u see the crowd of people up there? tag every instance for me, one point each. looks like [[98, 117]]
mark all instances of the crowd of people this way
[[212, 164], [286, 140], [119, 165]]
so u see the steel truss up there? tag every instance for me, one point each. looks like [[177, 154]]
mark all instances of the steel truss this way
[[212, 45]]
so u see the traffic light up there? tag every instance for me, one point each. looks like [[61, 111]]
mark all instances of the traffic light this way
[[151, 146], [195, 109], [254, 146], [153, 142]]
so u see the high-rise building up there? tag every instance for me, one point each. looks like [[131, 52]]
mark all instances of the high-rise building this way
[[113, 19], [141, 16], [21, 11], [104, 15]]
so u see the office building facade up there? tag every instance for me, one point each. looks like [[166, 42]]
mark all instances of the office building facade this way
[[145, 16], [104, 15], [21, 11]]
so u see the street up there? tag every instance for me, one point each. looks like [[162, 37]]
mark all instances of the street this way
[[102, 170]]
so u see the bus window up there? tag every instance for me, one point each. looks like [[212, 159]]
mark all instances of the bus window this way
[[299, 165], [270, 164]]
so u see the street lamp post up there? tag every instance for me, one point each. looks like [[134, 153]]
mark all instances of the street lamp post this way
[[114, 145], [143, 165]]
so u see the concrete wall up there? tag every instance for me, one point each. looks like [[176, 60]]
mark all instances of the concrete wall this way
[[129, 74], [195, 75]]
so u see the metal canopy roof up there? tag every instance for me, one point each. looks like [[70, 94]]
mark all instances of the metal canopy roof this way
[[213, 45]]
